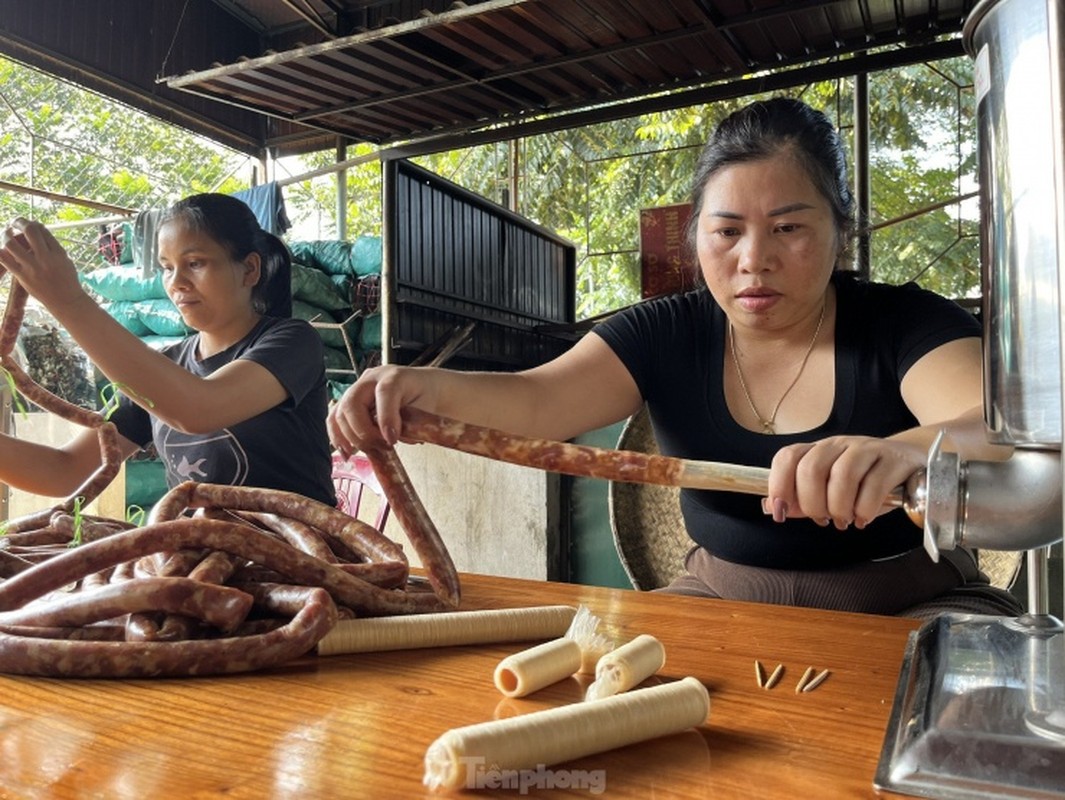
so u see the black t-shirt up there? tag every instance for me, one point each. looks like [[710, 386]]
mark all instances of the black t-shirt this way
[[285, 447], [674, 349]]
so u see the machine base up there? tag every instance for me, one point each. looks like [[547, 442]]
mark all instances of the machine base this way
[[979, 711]]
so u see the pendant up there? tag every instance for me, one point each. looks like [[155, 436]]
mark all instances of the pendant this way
[[767, 427]]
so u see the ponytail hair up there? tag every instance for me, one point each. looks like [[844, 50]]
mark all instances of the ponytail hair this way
[[230, 222]]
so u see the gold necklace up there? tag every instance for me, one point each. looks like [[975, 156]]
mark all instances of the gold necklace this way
[[768, 424]]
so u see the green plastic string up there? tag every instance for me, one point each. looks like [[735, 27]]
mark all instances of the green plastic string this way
[[16, 396], [78, 501], [109, 397], [135, 515]]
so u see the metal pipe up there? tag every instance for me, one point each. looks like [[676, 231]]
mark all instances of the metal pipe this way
[[862, 195], [1055, 23], [342, 191], [1038, 581]]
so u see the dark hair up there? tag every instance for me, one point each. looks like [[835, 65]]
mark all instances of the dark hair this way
[[769, 127], [231, 223]]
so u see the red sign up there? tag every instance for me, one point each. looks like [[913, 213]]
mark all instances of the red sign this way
[[664, 263]]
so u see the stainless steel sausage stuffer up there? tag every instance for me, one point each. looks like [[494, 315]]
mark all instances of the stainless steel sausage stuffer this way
[[979, 709]]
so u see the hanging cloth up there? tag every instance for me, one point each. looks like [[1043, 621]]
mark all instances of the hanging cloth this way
[[268, 204], [145, 241]]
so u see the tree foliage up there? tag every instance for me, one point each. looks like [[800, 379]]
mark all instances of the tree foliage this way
[[587, 184], [66, 140]]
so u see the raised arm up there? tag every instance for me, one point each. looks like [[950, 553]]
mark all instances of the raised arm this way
[[581, 390], [184, 401]]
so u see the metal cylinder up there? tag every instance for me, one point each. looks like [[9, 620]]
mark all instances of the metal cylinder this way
[[1017, 76]]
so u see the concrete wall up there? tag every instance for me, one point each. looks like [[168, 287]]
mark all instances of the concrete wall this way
[[51, 429], [495, 518]]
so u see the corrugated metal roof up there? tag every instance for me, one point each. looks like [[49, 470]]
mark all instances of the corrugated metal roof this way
[[503, 61]]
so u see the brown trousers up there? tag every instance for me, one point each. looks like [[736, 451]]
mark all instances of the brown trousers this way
[[909, 585]]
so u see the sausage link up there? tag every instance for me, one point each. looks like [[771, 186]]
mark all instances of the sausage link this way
[[298, 534], [142, 627], [101, 478], [344, 543], [92, 528], [372, 545], [23, 655], [148, 566], [179, 563], [221, 606], [37, 553], [51, 534], [122, 572], [96, 579], [283, 599], [297, 567], [177, 627], [386, 574], [551, 456], [215, 567], [254, 627], [32, 521], [14, 311], [89, 633], [40, 396], [342, 554], [11, 564], [172, 504], [415, 520]]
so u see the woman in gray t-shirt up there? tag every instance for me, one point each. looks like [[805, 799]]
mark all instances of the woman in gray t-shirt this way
[[241, 401]]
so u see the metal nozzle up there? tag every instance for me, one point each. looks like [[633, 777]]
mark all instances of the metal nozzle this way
[[999, 505]]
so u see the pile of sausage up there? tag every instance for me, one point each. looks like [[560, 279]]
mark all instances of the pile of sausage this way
[[219, 579]]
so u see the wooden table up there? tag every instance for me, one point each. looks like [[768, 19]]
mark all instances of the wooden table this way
[[358, 726]]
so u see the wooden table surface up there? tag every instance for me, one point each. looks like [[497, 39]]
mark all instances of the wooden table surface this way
[[358, 725]]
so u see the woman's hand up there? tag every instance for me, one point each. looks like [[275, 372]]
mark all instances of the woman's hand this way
[[369, 411], [30, 252], [842, 480]]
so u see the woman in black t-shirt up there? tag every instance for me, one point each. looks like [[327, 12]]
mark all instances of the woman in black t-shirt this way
[[839, 386]]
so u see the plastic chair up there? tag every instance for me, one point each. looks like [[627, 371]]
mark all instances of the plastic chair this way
[[352, 477]]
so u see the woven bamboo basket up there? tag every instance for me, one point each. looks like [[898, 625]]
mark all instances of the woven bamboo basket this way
[[648, 529]]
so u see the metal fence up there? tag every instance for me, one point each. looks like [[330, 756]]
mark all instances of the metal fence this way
[[78, 161]]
